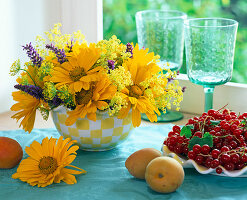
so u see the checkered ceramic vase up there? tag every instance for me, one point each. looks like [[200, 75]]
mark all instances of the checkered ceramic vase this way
[[103, 134]]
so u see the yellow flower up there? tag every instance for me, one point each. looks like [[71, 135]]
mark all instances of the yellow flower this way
[[27, 106], [88, 101], [78, 71], [47, 163], [141, 67]]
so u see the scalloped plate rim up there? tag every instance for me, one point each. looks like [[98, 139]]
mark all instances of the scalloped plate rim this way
[[192, 164]]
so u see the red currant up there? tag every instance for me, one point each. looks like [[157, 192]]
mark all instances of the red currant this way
[[176, 129], [234, 158], [233, 144], [205, 149], [173, 140], [208, 162], [218, 170], [224, 149], [178, 149], [215, 163], [226, 126], [215, 153], [223, 122], [229, 138], [244, 158], [225, 158], [211, 112], [191, 155], [197, 148], [171, 133], [217, 129], [226, 111], [244, 115], [199, 159], [191, 121], [237, 132], [228, 117], [180, 139], [229, 166], [185, 149], [233, 127], [239, 166], [198, 134], [245, 135], [218, 145]]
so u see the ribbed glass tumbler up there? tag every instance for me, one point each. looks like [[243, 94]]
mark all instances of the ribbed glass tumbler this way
[[162, 31]]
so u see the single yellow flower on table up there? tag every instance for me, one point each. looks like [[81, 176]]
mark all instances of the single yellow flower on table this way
[[47, 162]]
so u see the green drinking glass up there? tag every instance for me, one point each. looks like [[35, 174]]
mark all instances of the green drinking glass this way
[[162, 31], [209, 47]]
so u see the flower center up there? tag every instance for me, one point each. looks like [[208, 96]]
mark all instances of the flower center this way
[[47, 165], [77, 73], [84, 96], [135, 91]]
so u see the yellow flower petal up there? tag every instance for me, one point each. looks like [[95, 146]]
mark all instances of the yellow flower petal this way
[[136, 117], [32, 153]]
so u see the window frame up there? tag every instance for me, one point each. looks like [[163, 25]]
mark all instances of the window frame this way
[[84, 15]]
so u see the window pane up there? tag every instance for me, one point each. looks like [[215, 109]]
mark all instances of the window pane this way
[[119, 19]]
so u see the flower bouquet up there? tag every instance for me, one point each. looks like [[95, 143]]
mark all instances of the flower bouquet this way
[[81, 84]]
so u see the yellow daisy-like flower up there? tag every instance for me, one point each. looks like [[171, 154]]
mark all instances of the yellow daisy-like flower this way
[[77, 72], [88, 101], [141, 67], [47, 163], [27, 106]]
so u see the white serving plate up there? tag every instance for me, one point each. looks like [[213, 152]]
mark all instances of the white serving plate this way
[[188, 163]]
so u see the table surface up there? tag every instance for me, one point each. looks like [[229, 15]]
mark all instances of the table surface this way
[[107, 178]]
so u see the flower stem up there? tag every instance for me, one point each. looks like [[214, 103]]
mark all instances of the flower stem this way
[[29, 75]]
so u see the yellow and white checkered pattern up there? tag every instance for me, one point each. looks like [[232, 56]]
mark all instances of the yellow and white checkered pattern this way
[[103, 134]]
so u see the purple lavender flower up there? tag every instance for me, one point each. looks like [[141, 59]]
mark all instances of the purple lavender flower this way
[[60, 54], [33, 90], [37, 92], [129, 49], [170, 79], [33, 55], [69, 46], [183, 89], [56, 101], [111, 64]]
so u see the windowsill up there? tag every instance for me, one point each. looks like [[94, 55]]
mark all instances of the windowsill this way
[[233, 95]]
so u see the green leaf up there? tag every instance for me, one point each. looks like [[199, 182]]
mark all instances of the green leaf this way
[[207, 139], [243, 122], [215, 122], [186, 130]]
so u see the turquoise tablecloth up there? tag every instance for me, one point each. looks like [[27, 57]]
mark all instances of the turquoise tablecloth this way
[[108, 179]]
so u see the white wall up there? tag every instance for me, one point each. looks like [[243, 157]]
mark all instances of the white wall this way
[[22, 20]]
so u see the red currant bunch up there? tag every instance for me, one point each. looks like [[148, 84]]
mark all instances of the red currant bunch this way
[[216, 139]]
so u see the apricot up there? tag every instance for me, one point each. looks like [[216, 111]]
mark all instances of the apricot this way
[[137, 162], [164, 174], [10, 153]]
